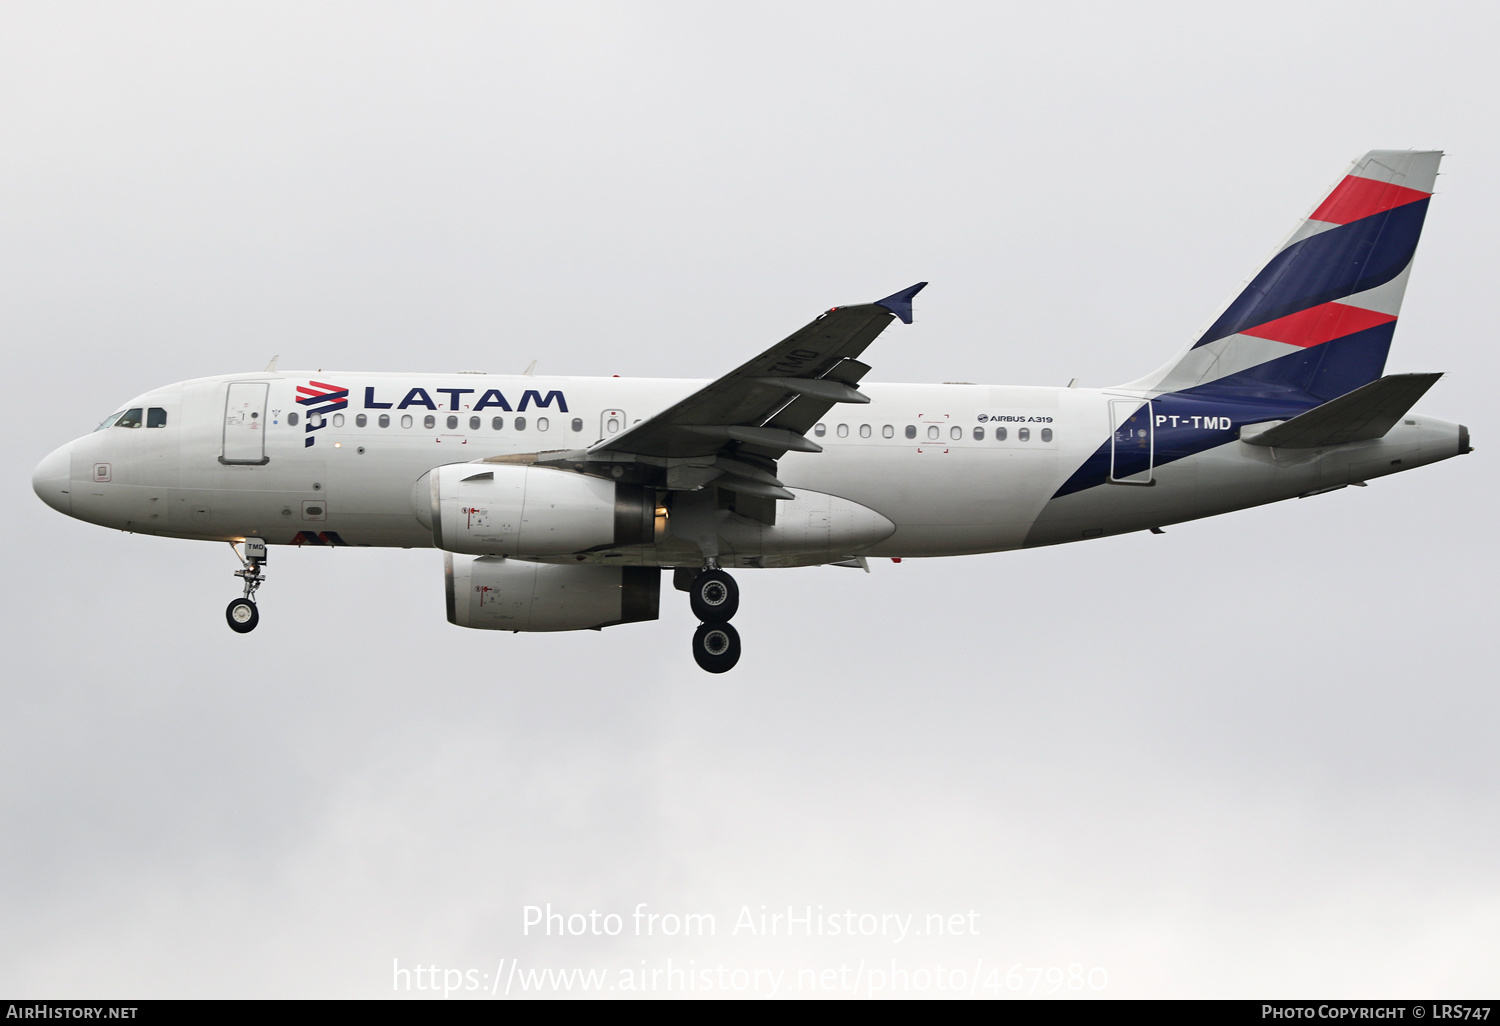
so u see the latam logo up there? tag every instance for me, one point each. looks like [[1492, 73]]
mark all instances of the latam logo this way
[[492, 399], [320, 399]]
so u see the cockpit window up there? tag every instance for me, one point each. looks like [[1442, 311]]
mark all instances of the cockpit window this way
[[156, 417], [110, 420], [130, 418]]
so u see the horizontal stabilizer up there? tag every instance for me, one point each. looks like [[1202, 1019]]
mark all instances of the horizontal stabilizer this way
[[1365, 413]]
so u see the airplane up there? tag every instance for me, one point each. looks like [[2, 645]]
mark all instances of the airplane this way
[[558, 502]]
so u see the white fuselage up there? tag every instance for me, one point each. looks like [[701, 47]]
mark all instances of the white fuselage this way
[[930, 459]]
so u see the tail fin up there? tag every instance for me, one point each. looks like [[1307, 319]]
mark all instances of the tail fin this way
[[1316, 321]]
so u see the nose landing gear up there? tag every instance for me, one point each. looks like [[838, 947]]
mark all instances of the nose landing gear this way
[[242, 613], [715, 598], [242, 616]]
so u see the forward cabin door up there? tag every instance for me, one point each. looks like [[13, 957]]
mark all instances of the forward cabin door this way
[[1132, 446], [245, 424]]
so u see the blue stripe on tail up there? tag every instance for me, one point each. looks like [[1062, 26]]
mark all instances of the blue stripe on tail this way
[[1309, 376], [1328, 266]]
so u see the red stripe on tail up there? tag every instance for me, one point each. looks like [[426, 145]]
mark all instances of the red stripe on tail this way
[[1318, 324], [1354, 198]]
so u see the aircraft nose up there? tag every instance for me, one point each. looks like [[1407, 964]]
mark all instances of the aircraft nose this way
[[52, 480]]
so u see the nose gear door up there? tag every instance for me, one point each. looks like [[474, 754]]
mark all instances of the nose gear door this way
[[245, 424]]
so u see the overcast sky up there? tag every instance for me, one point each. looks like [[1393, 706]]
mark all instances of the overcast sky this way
[[1285, 786]]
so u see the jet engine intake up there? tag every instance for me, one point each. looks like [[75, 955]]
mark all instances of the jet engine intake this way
[[497, 594], [509, 510]]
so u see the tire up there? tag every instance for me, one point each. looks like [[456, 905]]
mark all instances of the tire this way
[[242, 616], [714, 596], [716, 647]]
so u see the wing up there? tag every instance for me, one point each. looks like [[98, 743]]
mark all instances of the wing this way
[[763, 408], [732, 432]]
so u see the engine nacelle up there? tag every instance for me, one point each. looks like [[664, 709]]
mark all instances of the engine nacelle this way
[[510, 510], [496, 594]]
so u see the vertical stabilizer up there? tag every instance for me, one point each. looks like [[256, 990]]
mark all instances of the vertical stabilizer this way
[[1316, 321]]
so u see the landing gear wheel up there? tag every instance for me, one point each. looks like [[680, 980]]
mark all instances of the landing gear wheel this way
[[714, 596], [716, 646], [242, 616]]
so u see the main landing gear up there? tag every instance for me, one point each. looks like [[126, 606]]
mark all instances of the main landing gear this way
[[715, 598], [242, 613]]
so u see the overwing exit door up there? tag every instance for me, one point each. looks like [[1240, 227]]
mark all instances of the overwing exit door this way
[[245, 424], [1132, 446]]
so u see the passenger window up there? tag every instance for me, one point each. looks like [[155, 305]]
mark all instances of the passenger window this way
[[888, 432], [933, 431], [999, 434], [911, 431], [338, 420], [1024, 434], [842, 431], [820, 430], [385, 420], [429, 422], [498, 423], [291, 418], [474, 423], [360, 420], [452, 423], [156, 417], [1046, 434], [864, 431], [542, 423], [520, 423], [406, 420], [979, 434], [577, 424], [956, 432]]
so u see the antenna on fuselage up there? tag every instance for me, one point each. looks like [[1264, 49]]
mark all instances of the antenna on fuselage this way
[[271, 367], [530, 369]]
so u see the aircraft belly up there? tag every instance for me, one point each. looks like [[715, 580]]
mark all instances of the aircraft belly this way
[[944, 500], [1215, 481], [1238, 475]]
